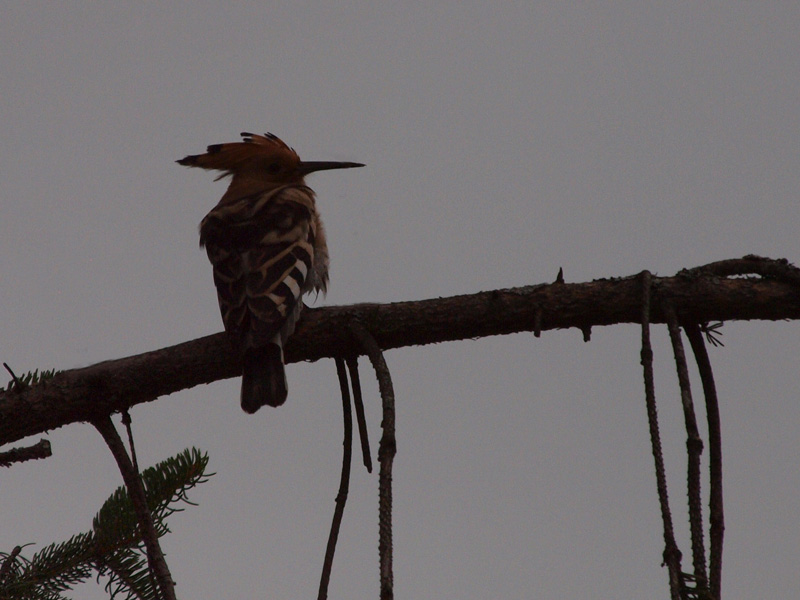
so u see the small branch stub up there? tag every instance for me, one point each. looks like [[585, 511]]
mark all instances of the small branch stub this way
[[40, 449]]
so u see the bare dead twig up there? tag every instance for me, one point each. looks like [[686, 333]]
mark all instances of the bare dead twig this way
[[344, 482], [18, 385], [126, 420], [386, 453], [716, 512], [672, 555], [361, 419], [155, 557], [40, 449], [694, 448]]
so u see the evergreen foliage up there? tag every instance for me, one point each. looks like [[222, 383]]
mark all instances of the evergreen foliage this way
[[32, 378], [113, 548]]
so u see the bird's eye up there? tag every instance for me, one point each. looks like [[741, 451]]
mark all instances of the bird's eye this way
[[274, 167]]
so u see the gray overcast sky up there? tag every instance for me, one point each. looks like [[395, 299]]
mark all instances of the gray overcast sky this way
[[502, 141]]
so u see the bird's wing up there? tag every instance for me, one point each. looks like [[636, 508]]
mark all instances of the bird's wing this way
[[262, 250]]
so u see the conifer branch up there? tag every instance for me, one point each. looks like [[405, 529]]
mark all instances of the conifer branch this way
[[146, 526], [113, 547], [715, 292]]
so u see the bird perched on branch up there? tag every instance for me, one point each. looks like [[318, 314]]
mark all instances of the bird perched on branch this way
[[266, 243]]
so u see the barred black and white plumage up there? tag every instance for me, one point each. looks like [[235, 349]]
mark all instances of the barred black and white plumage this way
[[267, 245]]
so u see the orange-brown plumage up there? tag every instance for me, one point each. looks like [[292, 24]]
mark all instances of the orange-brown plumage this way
[[267, 245], [258, 163]]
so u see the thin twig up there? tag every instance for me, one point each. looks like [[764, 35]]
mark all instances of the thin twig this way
[[361, 419], [17, 383], [40, 449], [672, 555], [344, 482], [386, 452], [126, 420], [716, 512], [694, 448], [155, 557]]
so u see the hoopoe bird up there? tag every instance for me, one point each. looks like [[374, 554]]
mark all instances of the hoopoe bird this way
[[266, 243]]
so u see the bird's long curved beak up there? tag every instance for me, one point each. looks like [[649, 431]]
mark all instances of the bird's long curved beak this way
[[307, 167]]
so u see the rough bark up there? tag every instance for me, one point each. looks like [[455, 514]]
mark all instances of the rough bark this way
[[715, 292]]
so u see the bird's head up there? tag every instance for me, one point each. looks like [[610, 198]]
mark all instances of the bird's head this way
[[259, 160]]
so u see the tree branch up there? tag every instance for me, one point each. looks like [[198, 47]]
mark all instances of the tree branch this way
[[699, 295], [386, 452], [40, 449], [717, 515], [694, 450], [672, 555], [133, 482], [344, 481], [361, 418]]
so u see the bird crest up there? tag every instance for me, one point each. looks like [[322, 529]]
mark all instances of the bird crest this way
[[255, 156], [256, 164]]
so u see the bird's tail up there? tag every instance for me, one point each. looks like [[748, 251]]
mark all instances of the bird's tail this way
[[263, 378]]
